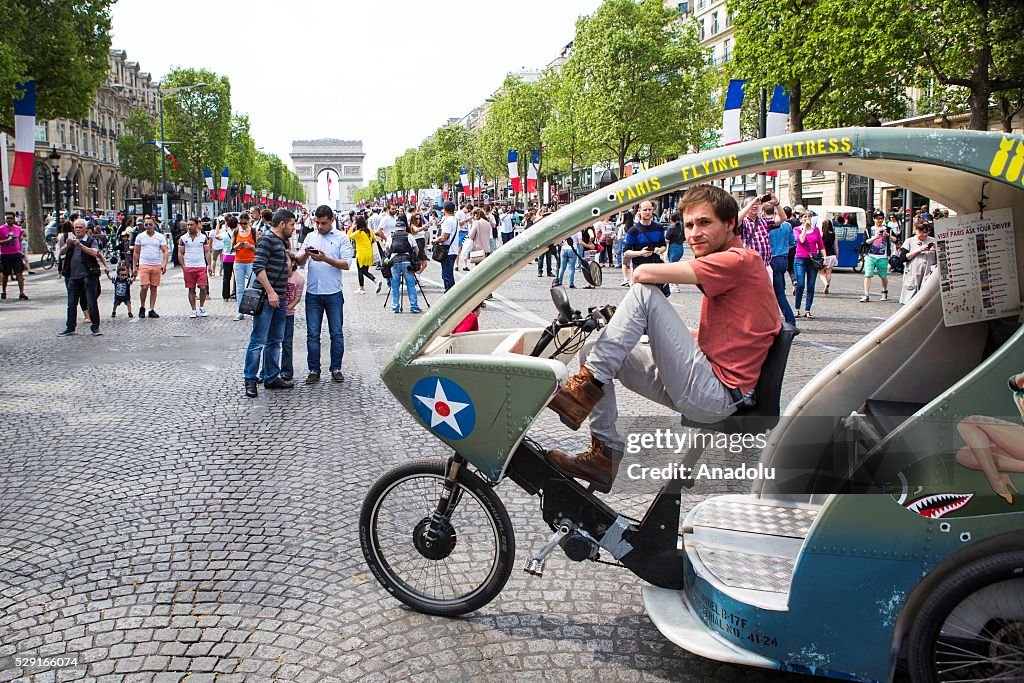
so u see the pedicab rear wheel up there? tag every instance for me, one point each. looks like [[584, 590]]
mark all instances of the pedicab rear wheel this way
[[444, 566], [971, 627], [858, 267]]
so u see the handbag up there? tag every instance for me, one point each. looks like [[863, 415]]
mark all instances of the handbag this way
[[476, 256], [252, 298], [817, 261]]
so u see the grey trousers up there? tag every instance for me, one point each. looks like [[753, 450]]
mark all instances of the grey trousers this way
[[671, 370]]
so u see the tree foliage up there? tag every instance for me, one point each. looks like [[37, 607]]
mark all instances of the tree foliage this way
[[197, 121], [632, 64], [138, 157], [62, 46]]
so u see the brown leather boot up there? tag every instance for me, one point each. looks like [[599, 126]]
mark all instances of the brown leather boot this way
[[576, 398], [598, 465]]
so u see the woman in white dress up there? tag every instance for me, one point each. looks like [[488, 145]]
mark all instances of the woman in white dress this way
[[920, 250]]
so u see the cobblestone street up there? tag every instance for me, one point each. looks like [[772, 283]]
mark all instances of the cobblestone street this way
[[156, 525]]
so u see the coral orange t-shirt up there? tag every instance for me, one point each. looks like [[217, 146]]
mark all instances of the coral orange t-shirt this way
[[739, 316]]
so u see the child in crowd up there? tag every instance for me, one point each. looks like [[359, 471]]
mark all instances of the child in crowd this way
[[296, 285], [471, 323], [122, 290]]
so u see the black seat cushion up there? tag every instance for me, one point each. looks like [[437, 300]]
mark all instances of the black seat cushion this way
[[766, 413], [886, 416]]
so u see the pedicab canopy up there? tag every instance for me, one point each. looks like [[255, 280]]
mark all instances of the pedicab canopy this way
[[489, 389]]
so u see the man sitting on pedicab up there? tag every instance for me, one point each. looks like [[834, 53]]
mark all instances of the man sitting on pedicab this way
[[706, 373]]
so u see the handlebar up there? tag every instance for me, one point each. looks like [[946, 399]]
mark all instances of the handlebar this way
[[585, 325]]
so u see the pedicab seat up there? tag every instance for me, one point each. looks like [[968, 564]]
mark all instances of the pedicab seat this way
[[886, 416], [765, 414]]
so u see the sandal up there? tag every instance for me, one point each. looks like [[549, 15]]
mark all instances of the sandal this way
[[808, 315]]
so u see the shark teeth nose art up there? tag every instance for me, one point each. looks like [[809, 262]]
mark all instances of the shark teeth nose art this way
[[939, 504]]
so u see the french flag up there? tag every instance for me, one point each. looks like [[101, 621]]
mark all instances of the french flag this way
[[464, 179], [412, 196], [733, 104], [513, 171], [777, 118], [248, 193], [208, 175], [24, 135], [223, 194], [531, 171]]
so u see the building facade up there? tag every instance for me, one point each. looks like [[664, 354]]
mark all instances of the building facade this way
[[77, 166]]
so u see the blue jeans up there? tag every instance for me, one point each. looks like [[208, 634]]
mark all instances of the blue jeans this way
[[620, 246], [675, 252], [806, 276], [780, 266], [568, 261], [265, 341], [316, 306], [400, 271], [242, 273], [448, 271], [287, 368]]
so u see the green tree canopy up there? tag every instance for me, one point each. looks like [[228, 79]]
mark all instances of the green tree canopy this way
[[197, 121], [62, 46], [138, 159]]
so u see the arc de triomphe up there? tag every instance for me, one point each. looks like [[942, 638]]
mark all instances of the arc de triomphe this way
[[345, 157]]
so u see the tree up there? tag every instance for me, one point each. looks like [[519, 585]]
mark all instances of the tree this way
[[241, 152], [63, 47], [198, 121], [631, 64], [453, 145], [839, 60], [569, 143], [139, 158], [975, 45]]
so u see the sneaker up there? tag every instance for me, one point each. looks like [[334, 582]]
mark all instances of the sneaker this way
[[202, 312], [153, 314], [239, 316], [808, 315], [360, 291], [250, 389], [572, 286], [313, 378], [96, 333], [465, 270], [113, 314], [130, 314], [279, 383], [3, 295], [23, 296], [194, 314], [379, 285], [576, 398], [142, 312], [337, 376], [396, 310], [885, 295], [415, 310], [66, 333], [598, 464], [864, 298], [625, 283]]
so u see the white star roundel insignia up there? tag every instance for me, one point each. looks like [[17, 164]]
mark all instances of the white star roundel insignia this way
[[445, 407]]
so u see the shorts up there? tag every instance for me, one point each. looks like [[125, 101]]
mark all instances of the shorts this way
[[876, 264], [195, 277], [12, 264], [149, 276], [831, 261]]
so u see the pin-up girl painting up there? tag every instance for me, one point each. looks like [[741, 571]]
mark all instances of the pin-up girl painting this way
[[996, 447]]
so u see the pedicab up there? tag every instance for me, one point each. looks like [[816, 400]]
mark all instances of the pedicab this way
[[894, 535], [850, 224]]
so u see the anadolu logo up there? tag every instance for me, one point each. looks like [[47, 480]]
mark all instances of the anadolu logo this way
[[445, 407]]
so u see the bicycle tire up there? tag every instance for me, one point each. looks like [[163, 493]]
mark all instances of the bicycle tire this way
[[377, 557], [47, 260], [968, 583]]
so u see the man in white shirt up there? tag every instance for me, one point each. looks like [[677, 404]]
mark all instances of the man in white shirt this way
[[194, 253], [508, 228], [386, 225], [150, 259], [448, 235], [328, 252]]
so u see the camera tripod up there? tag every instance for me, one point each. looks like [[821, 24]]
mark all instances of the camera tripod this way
[[401, 291]]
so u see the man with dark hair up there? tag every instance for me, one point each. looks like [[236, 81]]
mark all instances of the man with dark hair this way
[[449, 230], [705, 374], [80, 252], [194, 255], [11, 259], [271, 269], [328, 251]]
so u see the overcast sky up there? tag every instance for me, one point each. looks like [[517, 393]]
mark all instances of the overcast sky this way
[[387, 72]]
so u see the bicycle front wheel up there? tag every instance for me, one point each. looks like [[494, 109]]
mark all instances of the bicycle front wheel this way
[[48, 261], [442, 567]]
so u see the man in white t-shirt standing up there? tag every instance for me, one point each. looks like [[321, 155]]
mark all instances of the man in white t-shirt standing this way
[[508, 227], [194, 253], [150, 259], [386, 225], [449, 230]]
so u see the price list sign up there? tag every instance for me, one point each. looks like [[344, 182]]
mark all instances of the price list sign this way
[[978, 267]]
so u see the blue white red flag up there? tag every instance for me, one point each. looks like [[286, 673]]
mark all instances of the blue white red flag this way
[[248, 193], [733, 104], [24, 135], [513, 171], [778, 113], [464, 179], [208, 175], [223, 194], [532, 170]]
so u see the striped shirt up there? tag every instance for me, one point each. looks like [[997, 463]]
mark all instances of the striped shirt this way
[[272, 256]]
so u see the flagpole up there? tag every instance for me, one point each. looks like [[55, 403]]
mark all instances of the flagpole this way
[[762, 132], [8, 201]]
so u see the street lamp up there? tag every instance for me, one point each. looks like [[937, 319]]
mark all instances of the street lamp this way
[[53, 158], [160, 92]]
